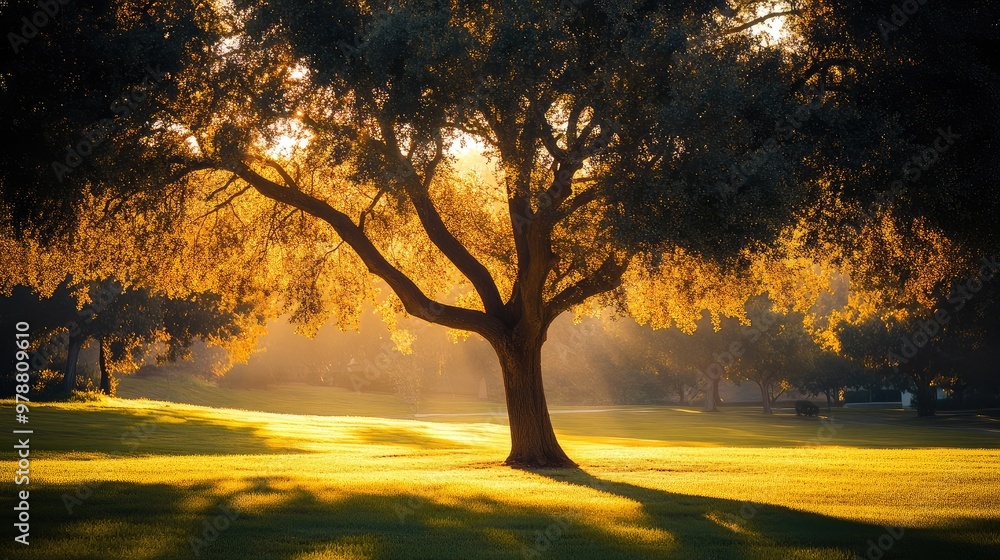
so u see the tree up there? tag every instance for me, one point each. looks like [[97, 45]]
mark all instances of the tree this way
[[125, 323], [882, 346], [775, 356], [611, 127], [709, 352], [127, 329], [654, 359], [43, 315], [929, 72], [829, 374]]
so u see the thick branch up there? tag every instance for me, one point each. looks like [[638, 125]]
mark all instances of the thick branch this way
[[607, 277], [413, 298], [550, 142], [438, 233], [579, 201]]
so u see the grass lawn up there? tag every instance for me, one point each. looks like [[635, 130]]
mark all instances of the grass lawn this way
[[147, 479]]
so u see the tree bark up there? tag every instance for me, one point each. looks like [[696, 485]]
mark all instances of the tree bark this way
[[765, 398], [958, 392], [533, 442], [105, 374], [828, 400], [72, 356], [712, 396], [925, 398]]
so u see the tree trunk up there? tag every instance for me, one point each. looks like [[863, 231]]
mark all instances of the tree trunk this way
[[827, 393], [532, 441], [72, 356], [958, 392], [712, 395], [105, 374], [765, 398], [925, 398]]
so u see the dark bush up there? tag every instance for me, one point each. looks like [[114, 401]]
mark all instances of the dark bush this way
[[806, 408]]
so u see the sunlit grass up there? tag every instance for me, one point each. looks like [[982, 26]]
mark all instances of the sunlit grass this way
[[309, 487], [644, 425]]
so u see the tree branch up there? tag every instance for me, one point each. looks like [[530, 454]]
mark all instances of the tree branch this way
[[823, 66], [289, 181], [225, 203], [607, 277], [414, 300], [416, 189], [213, 194], [759, 20]]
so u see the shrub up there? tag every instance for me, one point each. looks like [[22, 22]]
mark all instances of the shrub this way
[[806, 408]]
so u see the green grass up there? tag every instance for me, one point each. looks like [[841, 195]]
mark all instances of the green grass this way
[[291, 398], [144, 477], [739, 426]]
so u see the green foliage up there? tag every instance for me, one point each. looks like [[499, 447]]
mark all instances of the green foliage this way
[[126, 325], [75, 97], [778, 350], [828, 375], [807, 408]]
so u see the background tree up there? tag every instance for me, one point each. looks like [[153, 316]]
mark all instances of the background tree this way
[[885, 348], [126, 324], [828, 375], [130, 328], [44, 315], [775, 356], [653, 357]]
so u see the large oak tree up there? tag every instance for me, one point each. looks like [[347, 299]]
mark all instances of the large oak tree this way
[[624, 137]]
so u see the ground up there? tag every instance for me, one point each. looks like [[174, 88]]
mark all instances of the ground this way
[[145, 479]]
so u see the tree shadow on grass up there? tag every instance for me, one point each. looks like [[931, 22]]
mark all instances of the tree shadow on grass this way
[[721, 528], [384, 435], [283, 520], [139, 432]]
